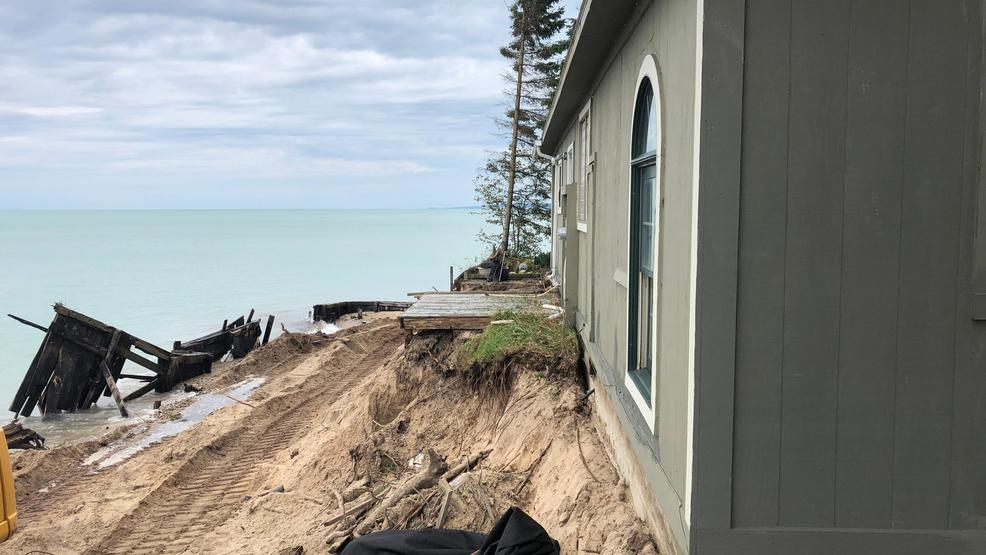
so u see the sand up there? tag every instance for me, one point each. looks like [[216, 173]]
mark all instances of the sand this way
[[263, 475]]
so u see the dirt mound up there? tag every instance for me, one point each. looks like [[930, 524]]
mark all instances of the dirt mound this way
[[418, 419]]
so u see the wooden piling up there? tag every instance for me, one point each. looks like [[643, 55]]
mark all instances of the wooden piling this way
[[250, 317], [270, 326]]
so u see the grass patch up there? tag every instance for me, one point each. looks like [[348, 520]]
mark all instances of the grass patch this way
[[528, 333]]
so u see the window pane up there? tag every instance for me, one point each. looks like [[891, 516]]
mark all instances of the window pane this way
[[647, 217], [645, 121], [583, 169]]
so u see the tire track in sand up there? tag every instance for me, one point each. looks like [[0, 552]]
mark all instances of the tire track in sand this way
[[210, 486]]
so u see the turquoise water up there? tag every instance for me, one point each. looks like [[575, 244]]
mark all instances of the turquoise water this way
[[167, 275]]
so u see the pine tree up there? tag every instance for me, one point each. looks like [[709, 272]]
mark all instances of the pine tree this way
[[514, 186]]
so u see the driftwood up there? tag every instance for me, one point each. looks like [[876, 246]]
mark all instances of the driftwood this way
[[434, 472], [468, 464], [354, 493], [432, 469], [19, 437], [406, 520], [443, 511], [354, 511]]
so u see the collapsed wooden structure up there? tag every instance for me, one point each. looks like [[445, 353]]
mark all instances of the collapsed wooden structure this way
[[81, 359], [332, 312], [238, 339]]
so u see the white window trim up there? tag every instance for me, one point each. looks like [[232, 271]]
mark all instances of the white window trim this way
[[585, 162], [560, 184], [648, 70], [570, 164]]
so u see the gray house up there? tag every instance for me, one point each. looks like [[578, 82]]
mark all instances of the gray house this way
[[771, 235]]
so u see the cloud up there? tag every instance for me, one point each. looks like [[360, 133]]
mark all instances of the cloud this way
[[49, 111], [380, 95]]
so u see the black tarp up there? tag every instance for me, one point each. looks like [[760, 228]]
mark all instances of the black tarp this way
[[515, 533]]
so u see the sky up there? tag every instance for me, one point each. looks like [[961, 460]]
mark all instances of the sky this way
[[248, 103]]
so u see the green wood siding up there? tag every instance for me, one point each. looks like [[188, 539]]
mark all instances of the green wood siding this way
[[855, 396]]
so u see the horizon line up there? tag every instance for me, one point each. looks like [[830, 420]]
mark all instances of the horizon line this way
[[212, 209]]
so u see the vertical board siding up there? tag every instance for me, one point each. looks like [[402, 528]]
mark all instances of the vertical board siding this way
[[870, 263], [968, 481], [860, 380], [929, 264], [816, 173], [763, 219]]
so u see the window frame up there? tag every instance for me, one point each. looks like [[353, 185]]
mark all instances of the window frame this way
[[560, 185], [649, 410], [570, 164], [584, 164]]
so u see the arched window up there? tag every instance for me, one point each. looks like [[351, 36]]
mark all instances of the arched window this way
[[645, 207], [645, 121]]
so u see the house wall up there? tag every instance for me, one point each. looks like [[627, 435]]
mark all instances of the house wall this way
[[655, 464], [843, 379]]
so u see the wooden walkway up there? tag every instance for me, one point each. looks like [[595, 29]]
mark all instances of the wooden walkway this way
[[461, 311]]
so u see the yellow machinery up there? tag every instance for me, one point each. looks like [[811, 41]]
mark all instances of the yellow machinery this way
[[8, 504]]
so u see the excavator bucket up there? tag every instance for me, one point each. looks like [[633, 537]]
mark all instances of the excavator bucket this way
[[8, 503]]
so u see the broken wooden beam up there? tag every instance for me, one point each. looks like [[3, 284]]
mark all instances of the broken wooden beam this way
[[138, 377], [29, 323], [143, 390], [108, 374]]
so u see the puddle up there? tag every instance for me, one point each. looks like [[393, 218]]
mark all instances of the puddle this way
[[152, 433]]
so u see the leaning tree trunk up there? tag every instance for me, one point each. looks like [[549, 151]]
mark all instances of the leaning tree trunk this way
[[512, 176]]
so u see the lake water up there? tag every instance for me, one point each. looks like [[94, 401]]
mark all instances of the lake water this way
[[169, 275]]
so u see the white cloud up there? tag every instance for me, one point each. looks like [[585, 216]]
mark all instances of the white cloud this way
[[214, 92], [49, 111]]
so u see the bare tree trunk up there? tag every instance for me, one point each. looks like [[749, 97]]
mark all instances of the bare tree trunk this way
[[512, 176]]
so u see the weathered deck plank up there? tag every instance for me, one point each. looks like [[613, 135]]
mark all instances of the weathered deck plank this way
[[463, 311]]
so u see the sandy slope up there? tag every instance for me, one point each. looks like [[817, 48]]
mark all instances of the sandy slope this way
[[353, 406]]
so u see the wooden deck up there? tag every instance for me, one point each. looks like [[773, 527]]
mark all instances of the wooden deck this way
[[461, 311]]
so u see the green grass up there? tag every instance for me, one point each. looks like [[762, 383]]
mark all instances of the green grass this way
[[529, 333]]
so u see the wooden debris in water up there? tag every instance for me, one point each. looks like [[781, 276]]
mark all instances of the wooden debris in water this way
[[19, 437]]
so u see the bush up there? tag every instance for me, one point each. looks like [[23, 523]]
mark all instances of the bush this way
[[542, 260]]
